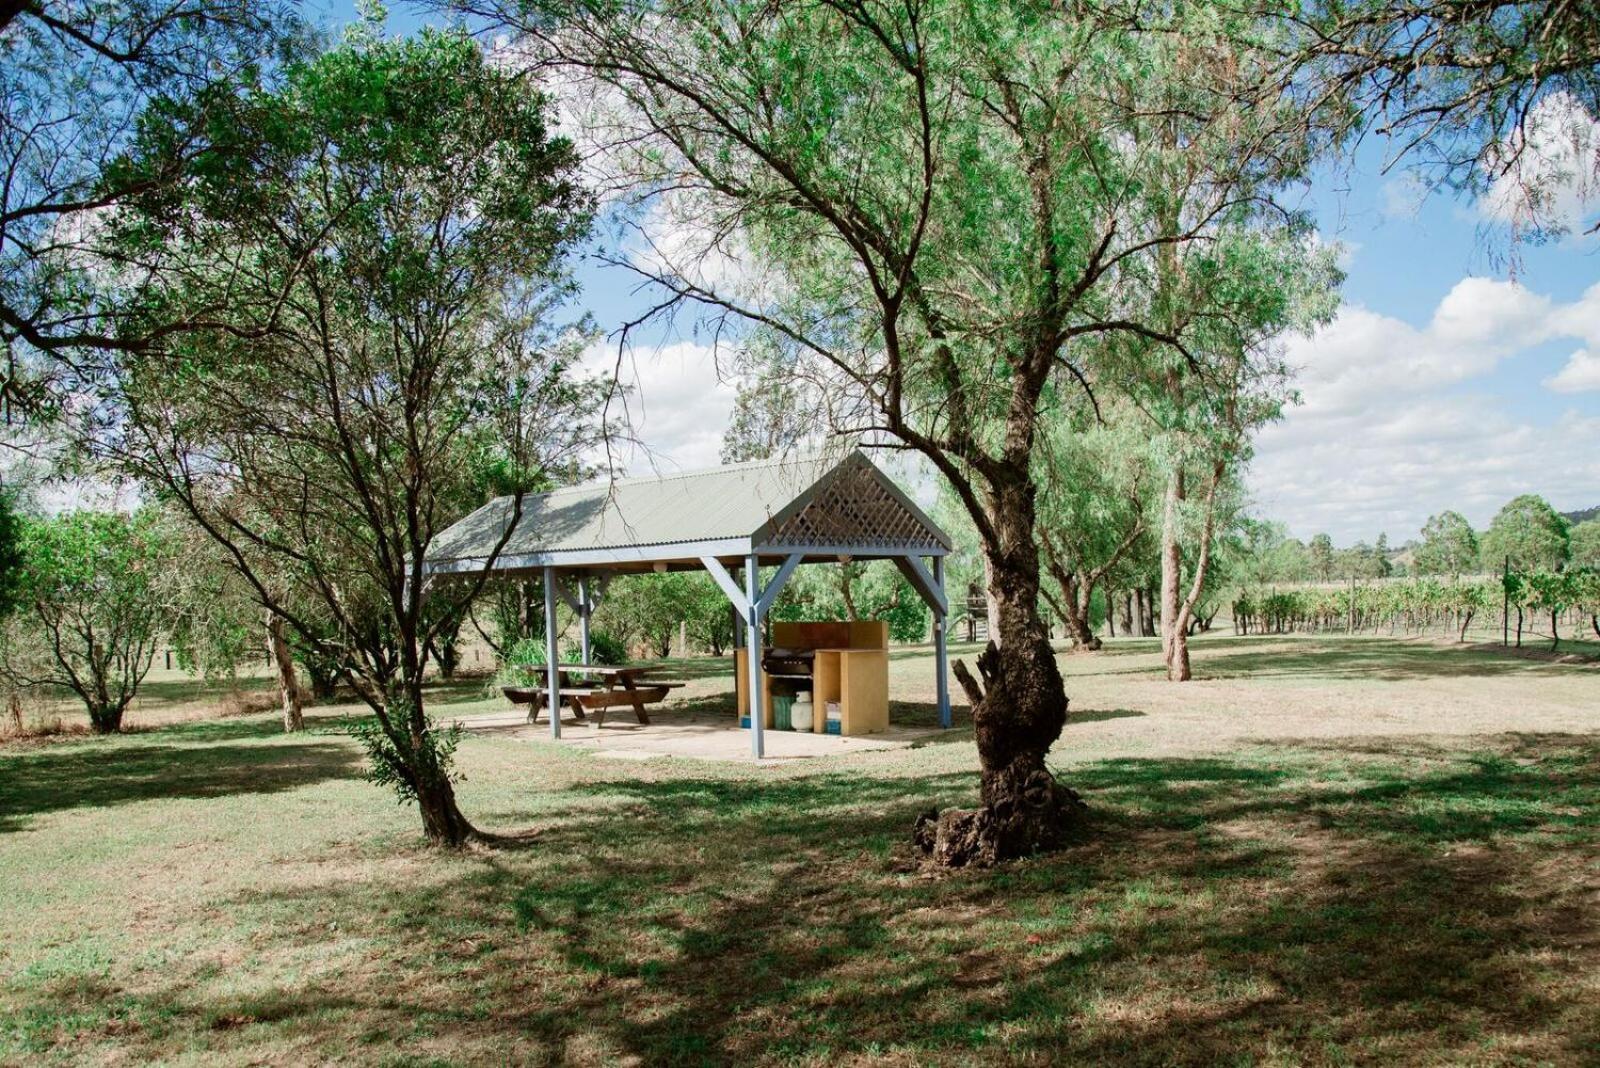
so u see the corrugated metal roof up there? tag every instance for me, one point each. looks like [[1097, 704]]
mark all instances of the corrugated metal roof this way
[[735, 501]]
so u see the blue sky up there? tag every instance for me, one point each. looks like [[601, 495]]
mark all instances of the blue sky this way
[[1432, 390]]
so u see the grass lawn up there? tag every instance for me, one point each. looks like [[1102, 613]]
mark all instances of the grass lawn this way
[[1322, 851]]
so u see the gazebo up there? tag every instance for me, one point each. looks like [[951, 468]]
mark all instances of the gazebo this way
[[737, 518]]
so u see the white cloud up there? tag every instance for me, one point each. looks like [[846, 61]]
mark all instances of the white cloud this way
[[1392, 430], [677, 403], [1580, 375]]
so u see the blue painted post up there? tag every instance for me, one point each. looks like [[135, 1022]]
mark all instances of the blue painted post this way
[[552, 660], [941, 651], [583, 616], [752, 648]]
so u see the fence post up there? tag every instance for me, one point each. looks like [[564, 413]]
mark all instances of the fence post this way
[[1505, 604], [1350, 620]]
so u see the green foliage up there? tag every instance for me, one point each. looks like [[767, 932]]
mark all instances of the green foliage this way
[[1584, 545], [1099, 477], [524, 663], [75, 78], [1322, 558], [646, 610], [399, 761], [1415, 604], [1421, 603], [94, 585], [875, 590], [604, 648], [356, 288], [1528, 532], [1456, 90], [1263, 553], [1449, 546], [514, 609], [1361, 561], [12, 560], [216, 622]]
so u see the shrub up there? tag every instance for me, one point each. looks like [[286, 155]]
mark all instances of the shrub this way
[[523, 663], [606, 649]]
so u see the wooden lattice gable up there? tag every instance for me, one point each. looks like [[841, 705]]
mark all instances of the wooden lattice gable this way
[[854, 506]]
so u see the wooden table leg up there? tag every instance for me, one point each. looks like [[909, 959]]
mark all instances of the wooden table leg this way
[[638, 705]]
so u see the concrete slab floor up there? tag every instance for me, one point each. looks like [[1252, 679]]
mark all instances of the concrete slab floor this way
[[695, 735]]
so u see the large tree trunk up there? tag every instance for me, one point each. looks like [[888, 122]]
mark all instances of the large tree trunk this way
[[1018, 712], [1174, 642], [1177, 610], [1075, 617], [1073, 605], [1144, 624], [106, 718], [288, 683]]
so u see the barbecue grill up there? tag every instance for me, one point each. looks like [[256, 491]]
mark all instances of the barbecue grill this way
[[788, 663]]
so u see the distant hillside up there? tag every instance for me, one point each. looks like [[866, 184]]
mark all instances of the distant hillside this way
[[1586, 514]]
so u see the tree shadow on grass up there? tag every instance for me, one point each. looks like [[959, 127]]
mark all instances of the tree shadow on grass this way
[[194, 760], [1332, 904]]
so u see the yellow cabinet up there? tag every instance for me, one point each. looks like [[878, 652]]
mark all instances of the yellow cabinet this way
[[851, 667]]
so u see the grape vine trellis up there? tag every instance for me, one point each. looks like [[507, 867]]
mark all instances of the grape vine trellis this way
[[1568, 599]]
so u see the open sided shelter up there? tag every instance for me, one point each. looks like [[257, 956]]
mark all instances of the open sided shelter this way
[[740, 517]]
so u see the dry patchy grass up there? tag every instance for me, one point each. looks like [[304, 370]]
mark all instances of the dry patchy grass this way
[[1319, 853]]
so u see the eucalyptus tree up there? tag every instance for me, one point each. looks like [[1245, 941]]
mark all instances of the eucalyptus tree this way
[[1322, 558], [218, 623], [1527, 534], [1233, 298], [1261, 552], [1584, 544], [1449, 546], [1204, 422], [1097, 482], [388, 226], [928, 208]]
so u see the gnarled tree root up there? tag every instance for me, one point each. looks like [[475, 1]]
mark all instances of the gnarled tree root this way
[[1025, 810], [1043, 816]]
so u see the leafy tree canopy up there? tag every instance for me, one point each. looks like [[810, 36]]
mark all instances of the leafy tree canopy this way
[[95, 586], [1528, 532], [366, 268], [1449, 546]]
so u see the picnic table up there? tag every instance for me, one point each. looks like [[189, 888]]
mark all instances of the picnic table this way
[[604, 686]]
